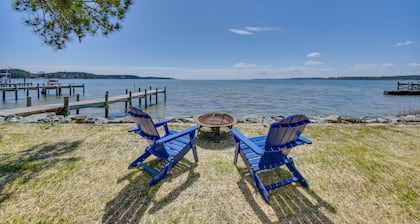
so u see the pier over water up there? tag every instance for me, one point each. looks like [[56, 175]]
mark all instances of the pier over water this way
[[408, 88]]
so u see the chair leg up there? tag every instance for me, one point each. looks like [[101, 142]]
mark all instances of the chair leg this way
[[139, 159], [263, 190], [194, 150], [162, 173], [237, 148], [296, 173]]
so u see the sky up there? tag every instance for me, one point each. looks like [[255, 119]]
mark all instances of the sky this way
[[233, 39]]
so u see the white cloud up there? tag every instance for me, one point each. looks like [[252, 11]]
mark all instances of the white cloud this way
[[405, 43], [244, 65], [260, 29], [371, 67], [240, 32], [311, 62], [249, 30], [414, 64], [313, 55]]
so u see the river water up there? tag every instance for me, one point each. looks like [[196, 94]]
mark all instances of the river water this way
[[186, 98]]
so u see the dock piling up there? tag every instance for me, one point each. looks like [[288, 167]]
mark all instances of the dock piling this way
[[16, 93], [145, 99], [37, 87], [156, 95], [139, 98], [150, 96], [66, 106], [28, 101], [77, 99], [106, 104]]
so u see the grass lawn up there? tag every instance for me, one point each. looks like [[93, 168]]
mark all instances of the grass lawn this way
[[78, 174]]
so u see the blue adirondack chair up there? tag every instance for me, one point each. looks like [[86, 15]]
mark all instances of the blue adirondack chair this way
[[171, 147], [270, 151]]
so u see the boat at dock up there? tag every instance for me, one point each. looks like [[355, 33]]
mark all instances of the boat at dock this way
[[5, 77], [53, 82]]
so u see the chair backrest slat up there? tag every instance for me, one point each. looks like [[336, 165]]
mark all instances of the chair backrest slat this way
[[286, 130], [144, 123]]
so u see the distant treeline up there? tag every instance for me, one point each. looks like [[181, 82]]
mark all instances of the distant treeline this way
[[18, 73], [401, 77]]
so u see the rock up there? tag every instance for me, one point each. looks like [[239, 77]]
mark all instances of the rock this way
[[120, 120], [333, 119], [411, 118], [13, 119], [351, 120], [189, 120], [100, 121], [382, 120], [79, 119], [277, 118], [266, 122], [253, 118]]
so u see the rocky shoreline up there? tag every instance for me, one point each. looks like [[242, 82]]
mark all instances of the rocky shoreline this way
[[52, 118]]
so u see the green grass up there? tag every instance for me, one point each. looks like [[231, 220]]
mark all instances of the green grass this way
[[78, 174]]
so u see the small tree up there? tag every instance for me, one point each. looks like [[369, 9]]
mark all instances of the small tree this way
[[59, 21]]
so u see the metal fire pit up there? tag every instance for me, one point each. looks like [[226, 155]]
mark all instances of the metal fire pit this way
[[215, 120]]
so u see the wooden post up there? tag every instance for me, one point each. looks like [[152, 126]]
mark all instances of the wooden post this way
[[28, 101], [83, 89], [156, 95], [164, 94], [70, 89], [66, 106], [130, 98], [4, 95], [106, 104], [140, 98], [150, 96], [16, 92], [37, 87], [145, 99], [27, 92], [77, 99], [126, 101]]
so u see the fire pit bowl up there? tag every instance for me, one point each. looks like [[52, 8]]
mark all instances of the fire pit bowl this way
[[215, 120]]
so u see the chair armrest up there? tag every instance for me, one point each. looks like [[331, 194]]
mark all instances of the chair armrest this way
[[162, 122], [177, 135], [304, 140], [241, 137]]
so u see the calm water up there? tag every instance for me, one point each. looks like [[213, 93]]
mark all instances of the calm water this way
[[241, 97]]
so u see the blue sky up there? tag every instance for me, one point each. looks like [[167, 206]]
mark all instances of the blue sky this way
[[234, 39]]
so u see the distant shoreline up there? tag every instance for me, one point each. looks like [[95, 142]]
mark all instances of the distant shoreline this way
[[20, 74], [402, 77]]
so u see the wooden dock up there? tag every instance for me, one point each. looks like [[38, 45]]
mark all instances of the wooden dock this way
[[41, 89], [67, 106], [405, 89]]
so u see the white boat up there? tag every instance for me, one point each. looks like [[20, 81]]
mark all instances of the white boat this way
[[53, 82], [5, 77]]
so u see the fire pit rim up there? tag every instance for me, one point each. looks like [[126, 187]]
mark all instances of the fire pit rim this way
[[231, 119]]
